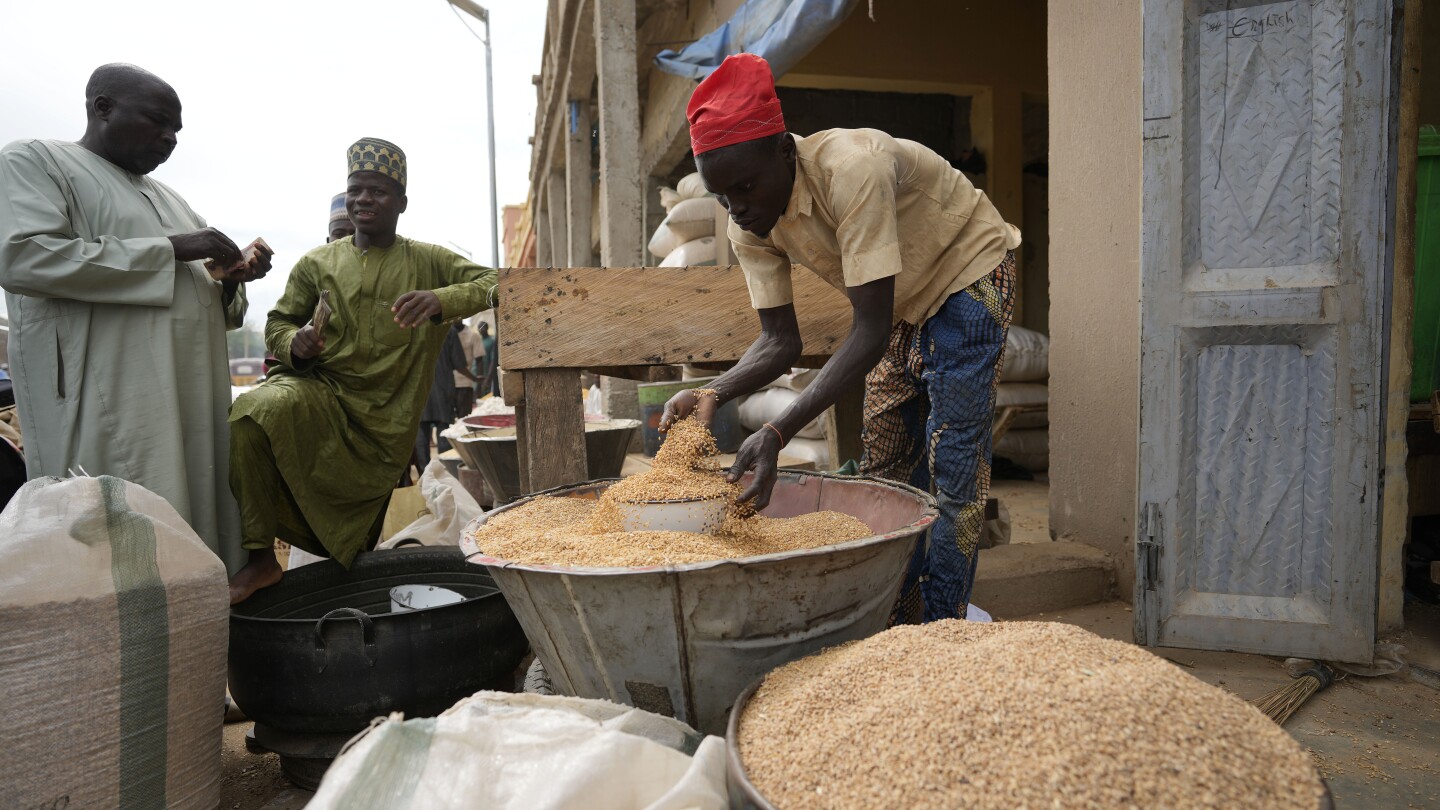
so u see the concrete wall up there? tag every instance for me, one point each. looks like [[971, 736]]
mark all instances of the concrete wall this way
[[1095, 59], [994, 52]]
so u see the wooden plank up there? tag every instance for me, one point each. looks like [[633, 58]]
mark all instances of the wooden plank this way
[[550, 430], [512, 387], [580, 317], [638, 373]]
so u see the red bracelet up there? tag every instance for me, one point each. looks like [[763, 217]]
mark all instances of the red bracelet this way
[[778, 434]]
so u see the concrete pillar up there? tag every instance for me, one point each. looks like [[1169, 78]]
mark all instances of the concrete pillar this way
[[620, 399], [654, 214], [1095, 57], [1007, 174], [542, 236], [559, 232], [578, 172], [621, 221]]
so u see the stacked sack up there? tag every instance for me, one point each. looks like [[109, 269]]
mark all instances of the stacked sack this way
[[1023, 381], [687, 236], [767, 404], [112, 659]]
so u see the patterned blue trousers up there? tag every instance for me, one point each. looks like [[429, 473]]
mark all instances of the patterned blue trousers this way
[[929, 405]]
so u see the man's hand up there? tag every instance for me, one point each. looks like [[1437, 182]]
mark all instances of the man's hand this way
[[307, 343], [687, 402], [416, 307], [761, 453], [253, 265], [205, 244]]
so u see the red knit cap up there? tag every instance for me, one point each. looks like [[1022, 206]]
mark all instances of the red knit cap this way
[[734, 104]]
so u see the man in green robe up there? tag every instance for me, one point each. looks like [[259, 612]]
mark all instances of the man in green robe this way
[[317, 448], [117, 331]]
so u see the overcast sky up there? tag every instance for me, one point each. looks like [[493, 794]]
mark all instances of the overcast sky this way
[[273, 92]]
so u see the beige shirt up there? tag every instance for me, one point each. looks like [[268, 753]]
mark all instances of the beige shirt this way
[[867, 206], [470, 342]]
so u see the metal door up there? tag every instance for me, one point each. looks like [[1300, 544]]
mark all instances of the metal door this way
[[1265, 263]]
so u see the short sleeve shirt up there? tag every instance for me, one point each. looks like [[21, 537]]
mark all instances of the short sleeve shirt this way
[[867, 206]]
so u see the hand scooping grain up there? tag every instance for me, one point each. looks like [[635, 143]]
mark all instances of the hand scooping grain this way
[[581, 532]]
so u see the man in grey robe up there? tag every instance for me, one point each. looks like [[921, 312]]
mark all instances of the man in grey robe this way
[[117, 328]]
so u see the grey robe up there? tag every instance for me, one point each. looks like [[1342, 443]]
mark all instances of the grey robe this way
[[117, 350]]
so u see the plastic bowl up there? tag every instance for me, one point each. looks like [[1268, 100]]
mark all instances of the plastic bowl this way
[[691, 515], [418, 597], [494, 420]]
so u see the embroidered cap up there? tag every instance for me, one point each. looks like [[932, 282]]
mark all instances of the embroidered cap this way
[[375, 155]]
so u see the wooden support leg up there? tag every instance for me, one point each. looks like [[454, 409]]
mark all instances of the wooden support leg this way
[[843, 424], [550, 430]]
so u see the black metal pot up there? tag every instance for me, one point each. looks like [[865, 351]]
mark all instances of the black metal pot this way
[[321, 653]]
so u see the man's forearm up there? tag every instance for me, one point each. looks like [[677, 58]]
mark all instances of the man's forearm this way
[[766, 359], [861, 350]]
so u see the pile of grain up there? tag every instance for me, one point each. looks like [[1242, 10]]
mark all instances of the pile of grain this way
[[581, 532], [683, 468], [563, 531], [1016, 714]]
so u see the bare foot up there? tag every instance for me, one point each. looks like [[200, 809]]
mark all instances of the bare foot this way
[[262, 571]]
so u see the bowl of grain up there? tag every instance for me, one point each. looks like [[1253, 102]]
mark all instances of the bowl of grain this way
[[699, 515]]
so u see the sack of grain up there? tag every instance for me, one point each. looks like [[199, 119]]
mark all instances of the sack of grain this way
[[663, 241], [692, 219], [691, 186], [505, 751], [768, 404], [1027, 356], [1028, 448], [1008, 393], [695, 252], [112, 659], [815, 451], [668, 198]]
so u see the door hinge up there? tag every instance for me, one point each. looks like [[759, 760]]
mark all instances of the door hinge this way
[[1149, 557]]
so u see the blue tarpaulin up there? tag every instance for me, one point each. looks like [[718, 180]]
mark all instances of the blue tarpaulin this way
[[782, 31]]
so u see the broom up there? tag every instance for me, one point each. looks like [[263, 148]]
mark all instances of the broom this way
[[1281, 703]]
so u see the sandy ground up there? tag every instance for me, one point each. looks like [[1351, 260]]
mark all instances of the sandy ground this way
[[1028, 503], [253, 781], [1375, 740]]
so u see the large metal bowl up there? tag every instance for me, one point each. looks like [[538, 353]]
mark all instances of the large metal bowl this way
[[683, 640], [494, 453]]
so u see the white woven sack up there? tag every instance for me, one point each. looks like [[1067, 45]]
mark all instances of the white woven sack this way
[[668, 198], [1027, 356], [112, 657], [1024, 394], [695, 252], [507, 752], [768, 404], [692, 219], [663, 241], [451, 510], [815, 451], [1028, 448], [691, 186]]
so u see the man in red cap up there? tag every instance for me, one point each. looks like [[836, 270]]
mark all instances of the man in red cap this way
[[928, 265]]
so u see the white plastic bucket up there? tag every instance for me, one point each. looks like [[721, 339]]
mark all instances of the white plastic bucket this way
[[695, 515], [405, 598]]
